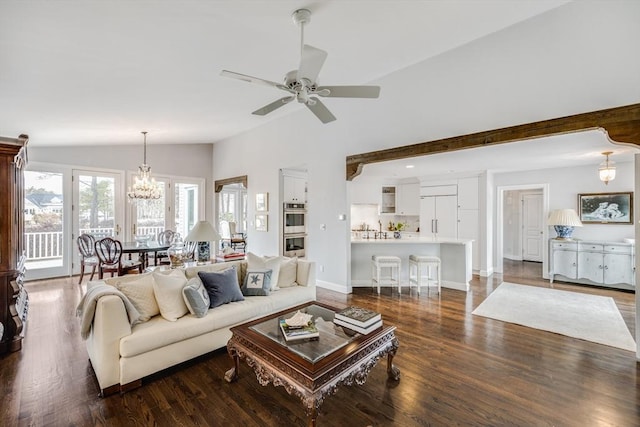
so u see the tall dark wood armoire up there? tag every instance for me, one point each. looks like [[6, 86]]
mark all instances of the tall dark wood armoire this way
[[14, 300]]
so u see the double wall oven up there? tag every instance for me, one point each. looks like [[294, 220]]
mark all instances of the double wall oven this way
[[294, 228]]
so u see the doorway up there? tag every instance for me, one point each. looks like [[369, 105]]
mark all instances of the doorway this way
[[521, 229]]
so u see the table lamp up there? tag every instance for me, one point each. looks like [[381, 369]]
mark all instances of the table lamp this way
[[203, 233], [563, 221]]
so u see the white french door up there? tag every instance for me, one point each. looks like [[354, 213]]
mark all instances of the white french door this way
[[97, 207]]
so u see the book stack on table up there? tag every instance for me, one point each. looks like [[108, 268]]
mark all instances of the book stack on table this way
[[358, 319], [233, 256], [296, 333]]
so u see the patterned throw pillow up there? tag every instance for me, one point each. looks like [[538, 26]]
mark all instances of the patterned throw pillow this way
[[139, 290], [167, 288], [255, 262], [257, 283], [196, 297], [222, 287]]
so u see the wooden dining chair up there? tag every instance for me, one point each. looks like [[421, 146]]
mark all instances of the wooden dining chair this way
[[190, 251], [109, 253], [164, 238], [88, 258]]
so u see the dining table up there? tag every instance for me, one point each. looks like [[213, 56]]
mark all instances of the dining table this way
[[143, 249]]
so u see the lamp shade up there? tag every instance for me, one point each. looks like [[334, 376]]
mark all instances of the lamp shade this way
[[203, 231], [563, 221], [566, 217]]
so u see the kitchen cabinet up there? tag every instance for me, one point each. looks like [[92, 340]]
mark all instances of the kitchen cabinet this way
[[294, 189], [388, 201], [408, 199], [468, 228], [601, 263], [438, 216], [468, 193]]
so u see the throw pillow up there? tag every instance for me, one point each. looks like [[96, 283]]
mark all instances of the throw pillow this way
[[222, 287], [168, 291], [288, 271], [257, 283], [196, 297], [140, 293], [255, 262]]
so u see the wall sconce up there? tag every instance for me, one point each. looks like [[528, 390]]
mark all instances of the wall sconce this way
[[607, 169], [563, 221]]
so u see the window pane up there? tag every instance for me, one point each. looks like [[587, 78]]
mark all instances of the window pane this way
[[43, 219], [186, 207], [150, 215], [96, 210]]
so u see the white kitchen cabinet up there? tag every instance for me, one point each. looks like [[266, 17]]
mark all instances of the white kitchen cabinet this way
[[388, 200], [294, 189], [438, 216], [600, 263], [408, 199], [468, 228], [468, 193]]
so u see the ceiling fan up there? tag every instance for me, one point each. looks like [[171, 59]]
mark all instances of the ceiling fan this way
[[302, 85]]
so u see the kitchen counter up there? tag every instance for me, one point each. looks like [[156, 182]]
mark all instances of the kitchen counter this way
[[454, 254]]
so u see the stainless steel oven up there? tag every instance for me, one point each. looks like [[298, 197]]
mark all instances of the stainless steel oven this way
[[294, 218], [294, 245]]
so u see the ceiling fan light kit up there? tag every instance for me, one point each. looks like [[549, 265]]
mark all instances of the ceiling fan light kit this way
[[302, 84]]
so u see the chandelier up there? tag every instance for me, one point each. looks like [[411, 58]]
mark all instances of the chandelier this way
[[144, 187], [607, 170]]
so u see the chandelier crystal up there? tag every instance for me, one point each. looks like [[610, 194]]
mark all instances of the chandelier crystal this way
[[144, 187], [607, 169]]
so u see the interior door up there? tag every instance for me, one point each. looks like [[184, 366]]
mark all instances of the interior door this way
[[532, 227], [97, 207]]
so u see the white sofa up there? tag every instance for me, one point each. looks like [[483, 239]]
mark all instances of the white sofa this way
[[121, 355]]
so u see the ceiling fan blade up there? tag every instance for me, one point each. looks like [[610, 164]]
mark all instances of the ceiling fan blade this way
[[320, 110], [349, 91], [256, 80], [273, 106], [311, 63]]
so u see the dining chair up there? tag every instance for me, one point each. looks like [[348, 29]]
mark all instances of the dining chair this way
[[86, 247], [164, 238], [237, 240], [109, 253]]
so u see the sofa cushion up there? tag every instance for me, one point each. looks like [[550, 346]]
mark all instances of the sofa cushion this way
[[139, 289], [167, 288], [288, 272], [241, 268], [196, 297], [255, 262], [257, 283], [222, 287]]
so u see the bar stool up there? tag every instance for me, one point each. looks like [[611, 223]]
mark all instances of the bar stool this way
[[385, 261], [417, 264]]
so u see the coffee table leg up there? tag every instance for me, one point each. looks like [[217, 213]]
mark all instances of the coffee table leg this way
[[313, 415], [232, 374], [392, 371]]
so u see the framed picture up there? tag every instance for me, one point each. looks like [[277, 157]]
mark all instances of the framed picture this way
[[262, 202], [262, 222], [606, 208]]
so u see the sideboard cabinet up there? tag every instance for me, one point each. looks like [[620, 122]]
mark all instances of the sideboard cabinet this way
[[610, 264], [14, 300]]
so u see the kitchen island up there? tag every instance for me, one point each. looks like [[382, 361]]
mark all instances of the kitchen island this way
[[454, 254]]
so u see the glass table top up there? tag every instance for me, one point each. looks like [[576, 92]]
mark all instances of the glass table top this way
[[332, 337]]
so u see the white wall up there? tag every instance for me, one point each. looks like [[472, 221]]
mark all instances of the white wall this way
[[554, 65]]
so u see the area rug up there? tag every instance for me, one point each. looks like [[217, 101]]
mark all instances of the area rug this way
[[587, 317]]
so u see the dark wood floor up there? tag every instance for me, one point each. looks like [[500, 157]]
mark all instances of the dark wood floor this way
[[457, 369]]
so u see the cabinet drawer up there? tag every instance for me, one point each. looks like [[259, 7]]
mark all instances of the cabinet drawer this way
[[618, 249], [567, 246], [592, 247]]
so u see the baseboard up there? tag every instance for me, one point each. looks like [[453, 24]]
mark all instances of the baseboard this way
[[333, 287], [486, 273], [445, 284]]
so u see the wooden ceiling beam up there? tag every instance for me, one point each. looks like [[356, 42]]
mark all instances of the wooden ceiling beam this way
[[622, 124]]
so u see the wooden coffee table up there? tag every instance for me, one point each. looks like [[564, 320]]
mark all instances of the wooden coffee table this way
[[311, 370]]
